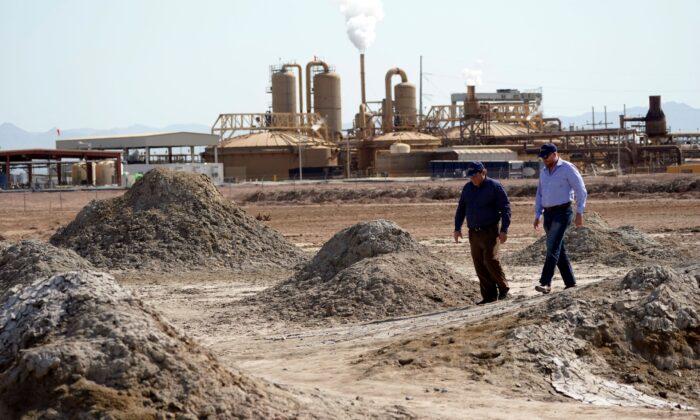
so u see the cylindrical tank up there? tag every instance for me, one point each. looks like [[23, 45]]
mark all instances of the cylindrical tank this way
[[327, 101], [400, 148], [284, 94], [655, 121], [405, 103], [104, 174], [78, 173]]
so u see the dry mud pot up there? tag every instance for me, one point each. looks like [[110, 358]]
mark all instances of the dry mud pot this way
[[629, 342], [171, 220], [78, 345], [372, 270]]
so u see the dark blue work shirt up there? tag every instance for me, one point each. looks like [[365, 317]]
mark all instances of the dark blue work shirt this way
[[483, 206]]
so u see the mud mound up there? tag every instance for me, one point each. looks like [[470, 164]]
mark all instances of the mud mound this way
[[78, 345], [360, 241], [173, 220], [596, 242], [26, 261], [372, 270], [634, 341]]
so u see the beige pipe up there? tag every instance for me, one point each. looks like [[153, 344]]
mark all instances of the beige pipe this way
[[308, 80], [301, 85], [388, 101]]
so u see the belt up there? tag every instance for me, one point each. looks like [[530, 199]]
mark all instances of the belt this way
[[482, 228], [559, 207]]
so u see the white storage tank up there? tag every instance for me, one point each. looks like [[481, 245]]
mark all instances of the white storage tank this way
[[397, 148]]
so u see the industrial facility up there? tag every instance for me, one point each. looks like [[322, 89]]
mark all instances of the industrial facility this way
[[301, 136]]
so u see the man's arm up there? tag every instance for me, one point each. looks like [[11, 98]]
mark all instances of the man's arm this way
[[461, 211], [576, 182], [504, 208], [538, 199]]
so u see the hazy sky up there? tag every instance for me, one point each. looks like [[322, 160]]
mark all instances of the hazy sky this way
[[104, 64]]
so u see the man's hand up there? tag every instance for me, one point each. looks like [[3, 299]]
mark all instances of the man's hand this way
[[578, 221], [502, 237], [457, 234], [536, 225]]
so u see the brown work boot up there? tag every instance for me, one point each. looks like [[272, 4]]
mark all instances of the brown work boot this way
[[486, 300], [543, 289]]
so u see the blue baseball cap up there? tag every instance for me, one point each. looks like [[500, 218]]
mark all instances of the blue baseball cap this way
[[474, 168], [546, 150]]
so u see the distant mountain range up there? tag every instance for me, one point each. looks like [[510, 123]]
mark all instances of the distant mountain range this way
[[679, 117], [13, 137]]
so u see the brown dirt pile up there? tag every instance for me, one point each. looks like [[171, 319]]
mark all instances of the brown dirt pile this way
[[173, 220], [629, 342], [596, 242], [26, 261], [77, 345], [372, 270]]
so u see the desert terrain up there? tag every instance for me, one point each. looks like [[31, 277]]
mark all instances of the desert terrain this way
[[447, 363]]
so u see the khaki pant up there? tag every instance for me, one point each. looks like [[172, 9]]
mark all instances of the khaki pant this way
[[484, 249]]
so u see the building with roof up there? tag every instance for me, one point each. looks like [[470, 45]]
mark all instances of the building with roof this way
[[48, 168], [179, 151]]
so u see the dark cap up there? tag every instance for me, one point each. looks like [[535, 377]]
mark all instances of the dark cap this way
[[474, 168], [546, 150]]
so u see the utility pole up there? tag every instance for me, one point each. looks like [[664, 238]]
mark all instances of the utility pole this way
[[593, 123], [420, 89]]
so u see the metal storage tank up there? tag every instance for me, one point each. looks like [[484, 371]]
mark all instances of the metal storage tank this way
[[405, 103], [400, 148], [284, 94], [270, 155], [327, 101]]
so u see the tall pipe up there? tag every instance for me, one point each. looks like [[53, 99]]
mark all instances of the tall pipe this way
[[310, 64], [301, 85], [362, 78], [388, 101], [471, 106]]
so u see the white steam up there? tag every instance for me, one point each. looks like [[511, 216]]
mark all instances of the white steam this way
[[473, 74], [361, 18]]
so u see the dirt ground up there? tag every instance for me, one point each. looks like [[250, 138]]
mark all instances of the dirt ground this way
[[325, 359]]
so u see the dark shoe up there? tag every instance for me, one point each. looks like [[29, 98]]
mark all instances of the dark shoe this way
[[570, 286], [503, 293], [543, 289], [485, 301]]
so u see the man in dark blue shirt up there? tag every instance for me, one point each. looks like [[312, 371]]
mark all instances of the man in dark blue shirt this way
[[484, 203]]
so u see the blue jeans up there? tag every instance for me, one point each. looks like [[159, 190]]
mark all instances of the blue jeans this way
[[555, 223]]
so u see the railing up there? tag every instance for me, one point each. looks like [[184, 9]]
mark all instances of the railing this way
[[226, 125]]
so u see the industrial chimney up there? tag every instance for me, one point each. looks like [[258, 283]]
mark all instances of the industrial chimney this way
[[362, 79], [655, 121], [471, 106]]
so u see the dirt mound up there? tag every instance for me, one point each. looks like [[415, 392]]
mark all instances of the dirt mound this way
[[372, 270], [629, 342], [174, 220], [26, 261], [77, 345], [596, 242]]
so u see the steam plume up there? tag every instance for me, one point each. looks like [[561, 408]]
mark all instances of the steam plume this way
[[473, 74], [361, 18]]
